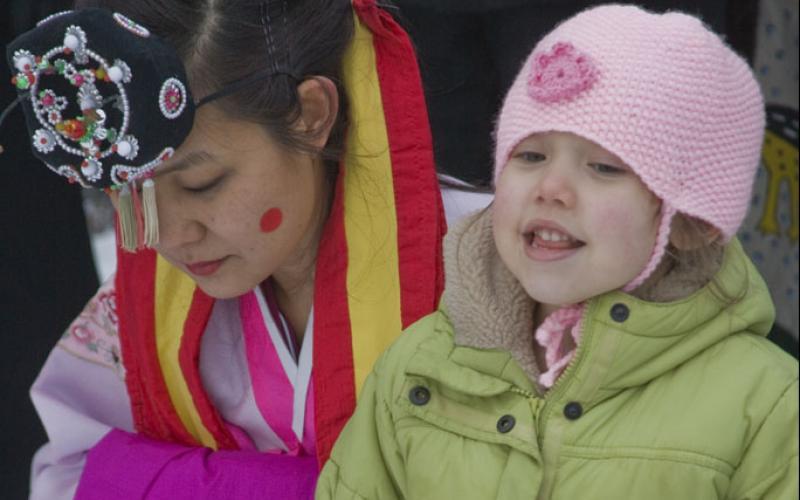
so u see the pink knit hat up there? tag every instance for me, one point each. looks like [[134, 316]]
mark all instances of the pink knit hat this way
[[662, 92]]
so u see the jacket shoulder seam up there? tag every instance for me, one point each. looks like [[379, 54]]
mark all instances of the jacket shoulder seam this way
[[769, 413], [755, 340]]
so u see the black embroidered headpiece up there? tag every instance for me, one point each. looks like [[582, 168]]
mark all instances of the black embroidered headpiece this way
[[105, 100]]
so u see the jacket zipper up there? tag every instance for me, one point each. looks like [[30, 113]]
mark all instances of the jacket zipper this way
[[561, 384], [555, 392], [537, 404]]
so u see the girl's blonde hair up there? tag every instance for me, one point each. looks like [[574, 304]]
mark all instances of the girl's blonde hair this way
[[691, 261]]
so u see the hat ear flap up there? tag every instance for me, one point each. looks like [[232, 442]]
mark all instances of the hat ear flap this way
[[689, 233]]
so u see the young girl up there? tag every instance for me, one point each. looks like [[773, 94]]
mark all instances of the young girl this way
[[276, 157], [601, 332]]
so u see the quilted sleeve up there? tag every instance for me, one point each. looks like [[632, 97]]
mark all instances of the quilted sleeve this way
[[768, 470], [365, 462]]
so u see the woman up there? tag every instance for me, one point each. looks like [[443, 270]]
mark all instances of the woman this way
[[297, 212]]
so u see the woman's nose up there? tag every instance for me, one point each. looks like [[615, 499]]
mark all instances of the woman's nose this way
[[177, 225]]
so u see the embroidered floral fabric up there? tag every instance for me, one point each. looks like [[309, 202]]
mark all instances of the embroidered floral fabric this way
[[94, 335]]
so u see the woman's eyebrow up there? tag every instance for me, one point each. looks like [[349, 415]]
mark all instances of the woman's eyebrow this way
[[193, 158]]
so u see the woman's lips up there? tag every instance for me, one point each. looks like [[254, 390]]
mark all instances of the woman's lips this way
[[206, 268]]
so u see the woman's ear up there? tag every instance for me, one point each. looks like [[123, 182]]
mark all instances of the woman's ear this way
[[688, 233], [319, 104]]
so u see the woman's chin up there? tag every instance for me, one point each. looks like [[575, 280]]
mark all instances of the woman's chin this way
[[222, 290]]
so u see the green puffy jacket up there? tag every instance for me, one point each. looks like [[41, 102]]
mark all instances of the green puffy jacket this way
[[679, 400]]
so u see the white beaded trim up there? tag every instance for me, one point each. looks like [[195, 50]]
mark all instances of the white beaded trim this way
[[93, 171], [80, 48], [132, 145], [43, 141], [52, 16], [47, 139], [54, 117], [20, 56], [130, 25], [69, 73], [168, 84], [124, 69], [69, 173], [89, 97], [59, 103], [134, 173]]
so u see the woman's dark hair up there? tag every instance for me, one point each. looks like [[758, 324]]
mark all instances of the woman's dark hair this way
[[226, 41]]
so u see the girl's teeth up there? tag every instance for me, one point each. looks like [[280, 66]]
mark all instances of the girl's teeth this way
[[548, 235]]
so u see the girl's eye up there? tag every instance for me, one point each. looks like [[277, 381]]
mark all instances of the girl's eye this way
[[530, 156], [203, 188], [603, 168]]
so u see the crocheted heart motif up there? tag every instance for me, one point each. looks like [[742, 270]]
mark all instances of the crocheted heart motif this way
[[560, 74]]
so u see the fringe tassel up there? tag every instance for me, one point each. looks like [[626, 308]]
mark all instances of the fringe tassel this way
[[127, 219], [137, 211], [150, 213]]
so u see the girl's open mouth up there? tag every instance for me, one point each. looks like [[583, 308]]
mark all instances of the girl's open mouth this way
[[549, 243], [552, 239]]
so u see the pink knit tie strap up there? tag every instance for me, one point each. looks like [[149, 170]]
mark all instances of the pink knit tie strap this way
[[662, 238], [550, 335]]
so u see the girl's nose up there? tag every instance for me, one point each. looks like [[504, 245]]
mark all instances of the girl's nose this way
[[555, 186]]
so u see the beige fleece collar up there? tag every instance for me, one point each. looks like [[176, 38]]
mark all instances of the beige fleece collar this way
[[489, 308]]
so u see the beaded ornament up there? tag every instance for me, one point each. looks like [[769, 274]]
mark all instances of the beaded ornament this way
[[172, 98], [106, 103], [89, 135], [79, 75], [130, 25]]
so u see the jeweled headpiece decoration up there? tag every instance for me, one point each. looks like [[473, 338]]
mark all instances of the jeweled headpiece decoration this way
[[106, 102], [80, 76]]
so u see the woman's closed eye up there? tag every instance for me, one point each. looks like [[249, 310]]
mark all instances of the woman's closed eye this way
[[204, 187]]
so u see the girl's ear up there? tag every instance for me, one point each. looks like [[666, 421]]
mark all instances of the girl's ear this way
[[319, 104], [687, 233]]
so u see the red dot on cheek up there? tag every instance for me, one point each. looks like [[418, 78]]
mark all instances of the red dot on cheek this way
[[271, 220]]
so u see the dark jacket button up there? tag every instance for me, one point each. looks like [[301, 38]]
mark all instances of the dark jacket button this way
[[620, 312], [506, 423], [573, 411], [419, 395]]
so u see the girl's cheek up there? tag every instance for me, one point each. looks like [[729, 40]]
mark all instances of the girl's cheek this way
[[271, 220], [629, 230], [613, 222]]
